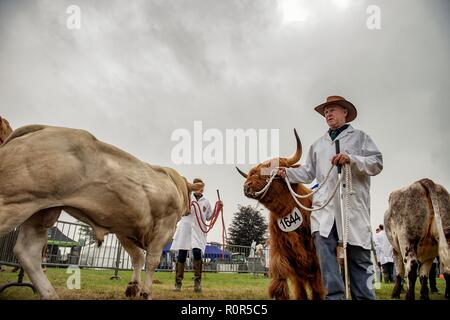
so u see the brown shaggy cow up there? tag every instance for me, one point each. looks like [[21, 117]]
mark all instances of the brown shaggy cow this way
[[292, 254]]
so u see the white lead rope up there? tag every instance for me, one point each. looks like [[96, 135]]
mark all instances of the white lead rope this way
[[348, 180], [295, 196], [346, 191]]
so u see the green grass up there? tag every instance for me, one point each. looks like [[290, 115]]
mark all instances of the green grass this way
[[96, 284]]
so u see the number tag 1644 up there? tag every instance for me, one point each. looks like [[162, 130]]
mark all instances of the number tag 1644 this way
[[292, 221]]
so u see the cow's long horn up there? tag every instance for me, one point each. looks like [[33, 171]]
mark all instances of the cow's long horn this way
[[242, 174], [298, 153]]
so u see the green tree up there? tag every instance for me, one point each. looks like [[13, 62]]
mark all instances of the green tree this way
[[87, 235], [248, 225]]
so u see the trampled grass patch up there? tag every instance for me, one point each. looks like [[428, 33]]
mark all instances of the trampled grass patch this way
[[96, 284]]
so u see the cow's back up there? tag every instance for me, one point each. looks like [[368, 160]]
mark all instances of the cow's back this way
[[44, 166], [408, 213], [62, 163], [443, 199]]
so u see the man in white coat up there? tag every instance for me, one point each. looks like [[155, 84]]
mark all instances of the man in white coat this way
[[384, 253], [365, 160], [189, 236]]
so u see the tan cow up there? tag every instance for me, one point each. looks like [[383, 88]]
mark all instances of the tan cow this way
[[47, 169], [417, 237]]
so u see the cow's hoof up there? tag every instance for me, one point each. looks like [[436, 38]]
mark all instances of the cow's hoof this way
[[146, 296], [410, 296], [424, 297], [52, 296], [395, 296], [132, 289]]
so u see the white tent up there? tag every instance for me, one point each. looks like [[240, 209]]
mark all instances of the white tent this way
[[104, 256]]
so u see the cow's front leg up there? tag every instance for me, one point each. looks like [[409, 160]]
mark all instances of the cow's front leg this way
[[152, 261], [279, 289], [137, 260], [279, 268]]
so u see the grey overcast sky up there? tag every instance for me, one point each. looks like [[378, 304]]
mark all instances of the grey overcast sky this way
[[138, 70]]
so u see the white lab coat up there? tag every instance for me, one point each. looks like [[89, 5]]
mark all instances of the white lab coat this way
[[365, 161], [383, 248], [188, 234]]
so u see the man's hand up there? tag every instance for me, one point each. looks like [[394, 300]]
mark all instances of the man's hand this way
[[340, 159], [281, 172]]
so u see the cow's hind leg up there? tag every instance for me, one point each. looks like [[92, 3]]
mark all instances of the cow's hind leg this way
[[424, 272], [12, 216], [315, 281], [412, 268], [400, 268], [447, 285], [28, 249], [137, 260]]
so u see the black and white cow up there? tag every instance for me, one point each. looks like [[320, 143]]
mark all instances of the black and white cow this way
[[418, 226]]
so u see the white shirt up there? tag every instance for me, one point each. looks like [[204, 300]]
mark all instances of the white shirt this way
[[365, 161], [188, 234]]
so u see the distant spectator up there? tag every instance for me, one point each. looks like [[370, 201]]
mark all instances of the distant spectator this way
[[384, 253]]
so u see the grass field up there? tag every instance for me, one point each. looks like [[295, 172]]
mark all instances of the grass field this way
[[96, 284]]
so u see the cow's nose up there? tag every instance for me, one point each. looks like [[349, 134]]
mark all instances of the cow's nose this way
[[247, 188]]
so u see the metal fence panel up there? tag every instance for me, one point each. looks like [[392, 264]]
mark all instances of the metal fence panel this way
[[73, 244]]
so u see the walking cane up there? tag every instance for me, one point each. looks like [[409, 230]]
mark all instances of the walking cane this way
[[344, 223]]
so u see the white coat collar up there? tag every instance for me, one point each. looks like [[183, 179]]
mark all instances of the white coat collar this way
[[342, 134], [195, 199]]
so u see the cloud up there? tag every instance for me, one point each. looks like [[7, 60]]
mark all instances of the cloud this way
[[137, 71]]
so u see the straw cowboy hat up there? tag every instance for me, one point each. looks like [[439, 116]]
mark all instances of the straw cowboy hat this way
[[340, 101]]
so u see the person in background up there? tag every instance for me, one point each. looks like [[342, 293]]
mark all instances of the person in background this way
[[384, 254], [189, 236]]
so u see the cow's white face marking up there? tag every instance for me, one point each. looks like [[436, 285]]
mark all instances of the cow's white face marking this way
[[291, 222]]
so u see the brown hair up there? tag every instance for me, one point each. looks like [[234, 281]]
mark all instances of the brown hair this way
[[198, 180]]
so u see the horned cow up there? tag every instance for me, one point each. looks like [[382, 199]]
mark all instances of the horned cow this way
[[45, 170], [415, 235], [292, 254]]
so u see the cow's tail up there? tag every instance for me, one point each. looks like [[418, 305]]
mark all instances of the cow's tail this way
[[23, 131], [444, 251]]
